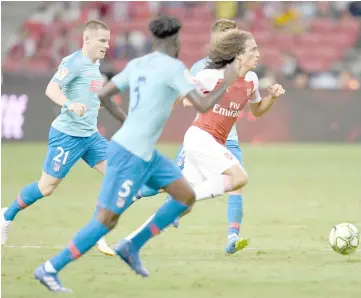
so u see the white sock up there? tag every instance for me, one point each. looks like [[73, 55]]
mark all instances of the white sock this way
[[232, 235], [213, 187], [49, 267], [131, 236]]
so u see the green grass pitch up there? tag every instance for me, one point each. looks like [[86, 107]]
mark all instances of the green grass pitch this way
[[296, 193]]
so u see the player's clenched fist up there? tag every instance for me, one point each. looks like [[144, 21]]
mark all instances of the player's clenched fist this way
[[78, 108], [276, 90]]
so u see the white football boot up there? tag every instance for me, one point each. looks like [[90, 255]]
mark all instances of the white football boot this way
[[104, 248]]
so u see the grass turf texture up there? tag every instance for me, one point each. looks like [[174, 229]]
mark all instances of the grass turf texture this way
[[296, 193]]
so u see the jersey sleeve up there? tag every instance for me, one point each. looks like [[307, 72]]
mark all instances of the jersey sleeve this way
[[255, 96], [206, 80], [121, 80], [182, 81], [68, 70]]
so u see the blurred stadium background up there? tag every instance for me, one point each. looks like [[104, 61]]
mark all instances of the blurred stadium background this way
[[312, 48], [301, 181]]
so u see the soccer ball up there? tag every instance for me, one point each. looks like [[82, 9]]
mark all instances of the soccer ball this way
[[344, 238]]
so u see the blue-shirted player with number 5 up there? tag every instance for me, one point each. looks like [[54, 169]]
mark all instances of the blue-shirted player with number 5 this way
[[154, 81], [73, 134]]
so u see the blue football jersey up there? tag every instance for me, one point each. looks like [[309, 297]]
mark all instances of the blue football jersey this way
[[80, 80], [155, 81]]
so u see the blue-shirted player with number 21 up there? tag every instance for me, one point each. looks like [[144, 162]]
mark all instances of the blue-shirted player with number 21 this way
[[154, 81], [73, 135]]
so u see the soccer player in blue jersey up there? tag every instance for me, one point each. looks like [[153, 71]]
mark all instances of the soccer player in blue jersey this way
[[73, 134], [154, 81], [235, 200]]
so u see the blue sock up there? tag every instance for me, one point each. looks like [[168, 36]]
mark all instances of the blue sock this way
[[162, 218], [146, 191], [28, 195], [235, 213], [84, 240]]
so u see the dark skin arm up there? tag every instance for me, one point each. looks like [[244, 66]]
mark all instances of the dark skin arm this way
[[105, 97], [204, 103], [201, 103]]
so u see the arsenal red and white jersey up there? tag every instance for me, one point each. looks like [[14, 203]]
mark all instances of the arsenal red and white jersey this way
[[219, 120]]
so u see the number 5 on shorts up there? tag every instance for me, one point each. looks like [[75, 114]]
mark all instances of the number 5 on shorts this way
[[125, 188], [62, 156], [124, 193]]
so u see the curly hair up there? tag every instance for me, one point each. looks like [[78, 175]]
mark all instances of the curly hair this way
[[225, 46]]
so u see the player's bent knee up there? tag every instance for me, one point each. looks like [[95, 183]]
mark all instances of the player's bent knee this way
[[239, 177], [47, 190], [188, 197], [181, 191], [243, 179], [47, 184], [107, 217]]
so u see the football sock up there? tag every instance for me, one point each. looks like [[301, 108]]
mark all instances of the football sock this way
[[235, 213], [132, 235], [28, 195], [84, 240], [161, 219]]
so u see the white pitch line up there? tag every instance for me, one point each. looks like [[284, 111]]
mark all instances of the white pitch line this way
[[246, 249], [34, 246]]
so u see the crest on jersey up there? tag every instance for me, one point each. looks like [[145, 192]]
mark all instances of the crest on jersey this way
[[56, 167], [95, 85], [62, 73], [120, 202]]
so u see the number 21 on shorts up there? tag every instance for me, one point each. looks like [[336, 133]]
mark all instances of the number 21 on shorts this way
[[62, 156]]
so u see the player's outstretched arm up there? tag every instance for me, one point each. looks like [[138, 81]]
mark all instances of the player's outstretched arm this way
[[105, 96], [203, 103], [260, 108]]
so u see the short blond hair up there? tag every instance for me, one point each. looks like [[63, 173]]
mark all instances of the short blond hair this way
[[223, 25], [95, 25]]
